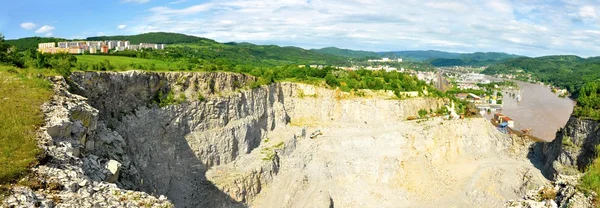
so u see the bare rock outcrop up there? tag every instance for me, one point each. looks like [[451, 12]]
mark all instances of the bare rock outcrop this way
[[64, 180], [215, 142]]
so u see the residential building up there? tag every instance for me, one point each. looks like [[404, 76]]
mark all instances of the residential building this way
[[75, 50], [147, 45], [111, 44], [93, 50], [159, 46], [385, 60], [120, 48], [104, 49], [134, 47], [47, 45], [73, 44], [63, 44], [95, 44]]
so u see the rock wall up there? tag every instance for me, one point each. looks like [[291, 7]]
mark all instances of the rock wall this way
[[573, 149], [167, 150], [63, 177]]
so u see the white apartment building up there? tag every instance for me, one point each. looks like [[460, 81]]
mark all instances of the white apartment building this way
[[63, 44], [147, 45], [111, 44], [73, 44]]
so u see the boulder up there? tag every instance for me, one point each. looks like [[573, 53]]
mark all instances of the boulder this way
[[113, 167]]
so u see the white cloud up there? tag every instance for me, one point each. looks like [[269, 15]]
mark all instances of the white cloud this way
[[135, 1], [177, 2], [48, 34], [28, 25], [122, 26], [533, 27], [587, 12], [186, 11], [45, 29]]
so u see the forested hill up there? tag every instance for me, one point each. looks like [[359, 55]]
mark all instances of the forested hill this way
[[441, 58], [346, 52], [156, 37], [23, 44], [570, 72]]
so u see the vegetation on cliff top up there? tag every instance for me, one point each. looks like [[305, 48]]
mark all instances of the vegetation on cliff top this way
[[590, 181], [588, 101], [21, 95]]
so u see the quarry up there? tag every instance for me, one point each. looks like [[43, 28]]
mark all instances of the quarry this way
[[207, 139]]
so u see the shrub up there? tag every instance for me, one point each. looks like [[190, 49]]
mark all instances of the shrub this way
[[422, 113], [590, 181], [201, 97]]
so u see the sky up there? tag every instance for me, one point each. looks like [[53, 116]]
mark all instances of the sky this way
[[524, 27]]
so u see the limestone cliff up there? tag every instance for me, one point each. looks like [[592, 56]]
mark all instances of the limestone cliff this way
[[209, 140], [573, 149], [167, 150]]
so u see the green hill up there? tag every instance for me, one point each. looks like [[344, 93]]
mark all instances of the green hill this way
[[346, 52], [156, 37], [24, 44], [248, 54], [441, 58], [421, 55], [570, 72]]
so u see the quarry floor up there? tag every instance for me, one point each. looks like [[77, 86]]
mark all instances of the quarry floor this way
[[435, 163]]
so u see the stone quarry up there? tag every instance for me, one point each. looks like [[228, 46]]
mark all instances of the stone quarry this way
[[216, 142]]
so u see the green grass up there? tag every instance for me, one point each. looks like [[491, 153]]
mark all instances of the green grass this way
[[21, 95], [590, 181], [125, 63]]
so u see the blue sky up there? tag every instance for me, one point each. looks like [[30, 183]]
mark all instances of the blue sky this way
[[527, 27]]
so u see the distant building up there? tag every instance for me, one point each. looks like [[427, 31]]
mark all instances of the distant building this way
[[385, 60], [93, 50], [104, 49], [63, 44], [72, 44], [462, 96], [159, 46], [134, 47], [47, 45], [75, 50], [498, 117], [111, 44]]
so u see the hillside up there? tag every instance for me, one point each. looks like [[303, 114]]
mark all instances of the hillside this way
[[570, 72], [156, 37], [441, 58], [346, 52], [24, 44]]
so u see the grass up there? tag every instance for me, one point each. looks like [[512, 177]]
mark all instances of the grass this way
[[125, 63], [269, 152], [590, 181], [21, 95]]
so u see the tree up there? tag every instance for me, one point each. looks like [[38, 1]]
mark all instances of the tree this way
[[3, 50]]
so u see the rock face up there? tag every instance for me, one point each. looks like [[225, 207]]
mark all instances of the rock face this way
[[168, 150], [563, 160], [64, 179], [573, 149], [218, 143]]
